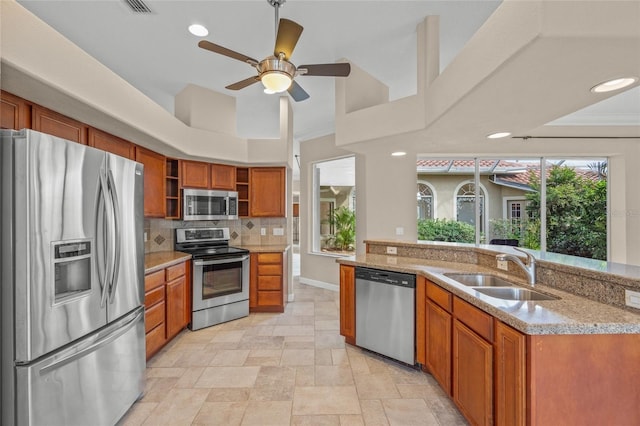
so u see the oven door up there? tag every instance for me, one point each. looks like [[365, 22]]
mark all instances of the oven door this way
[[218, 281]]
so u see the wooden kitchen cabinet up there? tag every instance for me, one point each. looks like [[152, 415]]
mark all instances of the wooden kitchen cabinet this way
[[510, 376], [15, 112], [268, 284], [167, 307], [154, 181], [438, 344], [421, 319], [172, 188], [348, 303], [200, 175], [195, 174], [267, 191], [110, 143], [46, 121], [223, 177], [242, 187]]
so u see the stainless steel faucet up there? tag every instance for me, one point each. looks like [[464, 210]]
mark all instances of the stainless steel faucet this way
[[529, 268]]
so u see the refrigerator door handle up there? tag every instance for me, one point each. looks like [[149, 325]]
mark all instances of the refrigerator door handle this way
[[117, 233], [101, 339], [105, 204]]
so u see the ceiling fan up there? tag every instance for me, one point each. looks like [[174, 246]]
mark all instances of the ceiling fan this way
[[276, 72]]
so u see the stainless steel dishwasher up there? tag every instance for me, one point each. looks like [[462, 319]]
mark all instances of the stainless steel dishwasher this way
[[385, 313]]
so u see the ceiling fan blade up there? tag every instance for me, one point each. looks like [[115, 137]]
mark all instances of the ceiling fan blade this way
[[243, 83], [288, 35], [297, 93], [204, 44], [328, 70]]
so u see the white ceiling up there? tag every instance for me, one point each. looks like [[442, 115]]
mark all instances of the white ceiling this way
[[156, 54]]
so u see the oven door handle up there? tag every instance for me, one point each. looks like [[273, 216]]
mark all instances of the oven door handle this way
[[220, 261]]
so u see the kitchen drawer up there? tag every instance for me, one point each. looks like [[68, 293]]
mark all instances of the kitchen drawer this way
[[270, 282], [440, 296], [270, 269], [270, 258], [155, 340], [474, 318], [154, 316], [153, 280], [176, 271], [269, 298], [154, 296]]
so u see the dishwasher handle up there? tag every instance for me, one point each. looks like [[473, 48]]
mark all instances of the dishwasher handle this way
[[386, 277]]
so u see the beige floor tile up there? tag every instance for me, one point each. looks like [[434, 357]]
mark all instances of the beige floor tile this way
[[195, 359], [164, 359], [230, 357], [190, 377], [359, 365], [402, 412], [263, 330], [267, 413], [165, 372], [260, 342], [330, 324], [303, 308], [228, 377], [180, 406], [305, 376], [262, 361], [373, 413], [315, 421], [296, 357], [328, 339], [417, 391], [376, 386], [228, 394], [221, 413], [138, 414], [351, 420], [318, 400], [339, 357], [293, 330], [228, 336], [278, 392], [271, 376], [323, 357], [333, 375], [296, 320]]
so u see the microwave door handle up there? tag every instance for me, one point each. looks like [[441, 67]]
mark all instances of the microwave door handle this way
[[106, 217], [220, 261], [117, 221]]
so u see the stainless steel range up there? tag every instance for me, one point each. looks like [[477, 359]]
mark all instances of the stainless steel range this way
[[220, 276]]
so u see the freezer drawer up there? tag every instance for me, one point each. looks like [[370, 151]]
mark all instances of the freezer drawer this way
[[94, 382]]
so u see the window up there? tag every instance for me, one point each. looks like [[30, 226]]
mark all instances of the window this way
[[425, 201], [466, 205], [333, 217]]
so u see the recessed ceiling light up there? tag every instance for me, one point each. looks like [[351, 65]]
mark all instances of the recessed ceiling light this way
[[198, 30], [616, 84], [498, 135], [398, 153]]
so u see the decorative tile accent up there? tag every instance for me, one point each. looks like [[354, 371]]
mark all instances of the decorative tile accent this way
[[159, 239], [234, 235], [250, 225]]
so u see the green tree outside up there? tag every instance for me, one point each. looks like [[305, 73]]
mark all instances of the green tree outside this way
[[576, 214]]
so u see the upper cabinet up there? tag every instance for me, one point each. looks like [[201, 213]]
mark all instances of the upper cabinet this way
[[50, 122], [15, 112], [113, 144], [267, 192], [196, 174], [154, 181]]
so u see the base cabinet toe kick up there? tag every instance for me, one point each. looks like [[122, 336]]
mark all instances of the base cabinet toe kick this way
[[494, 373]]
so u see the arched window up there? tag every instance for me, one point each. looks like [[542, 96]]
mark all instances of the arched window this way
[[426, 201], [466, 204]]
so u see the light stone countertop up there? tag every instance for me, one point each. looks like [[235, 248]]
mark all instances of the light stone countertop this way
[[268, 248], [570, 314], [159, 260]]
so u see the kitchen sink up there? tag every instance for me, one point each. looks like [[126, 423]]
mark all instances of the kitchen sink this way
[[514, 293], [479, 280]]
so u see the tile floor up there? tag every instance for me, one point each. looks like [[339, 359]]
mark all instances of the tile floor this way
[[285, 369]]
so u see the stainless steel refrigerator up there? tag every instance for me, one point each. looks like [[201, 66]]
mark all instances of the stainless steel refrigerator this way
[[72, 296]]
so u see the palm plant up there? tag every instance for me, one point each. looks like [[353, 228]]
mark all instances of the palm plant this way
[[344, 221]]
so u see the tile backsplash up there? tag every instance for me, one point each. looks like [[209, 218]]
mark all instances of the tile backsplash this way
[[160, 233]]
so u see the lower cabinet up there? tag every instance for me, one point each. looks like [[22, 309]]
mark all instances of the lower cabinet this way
[[510, 376], [438, 344], [268, 290], [166, 305], [348, 303]]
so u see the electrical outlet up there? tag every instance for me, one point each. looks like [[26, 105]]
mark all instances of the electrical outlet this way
[[263, 231], [392, 250], [632, 298], [399, 230], [503, 264], [278, 231], [145, 237]]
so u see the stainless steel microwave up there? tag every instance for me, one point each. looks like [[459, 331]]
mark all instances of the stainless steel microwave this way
[[203, 204]]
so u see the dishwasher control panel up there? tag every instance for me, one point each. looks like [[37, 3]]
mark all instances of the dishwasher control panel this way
[[389, 277]]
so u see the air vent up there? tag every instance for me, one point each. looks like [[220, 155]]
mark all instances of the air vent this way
[[138, 6]]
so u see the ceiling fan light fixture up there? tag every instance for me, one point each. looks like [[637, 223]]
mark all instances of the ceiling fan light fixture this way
[[275, 81], [198, 30]]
